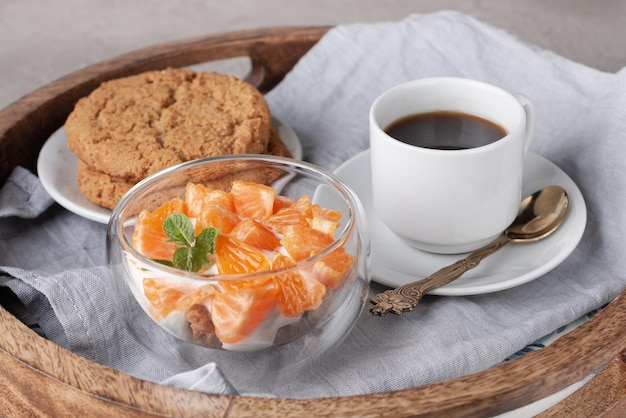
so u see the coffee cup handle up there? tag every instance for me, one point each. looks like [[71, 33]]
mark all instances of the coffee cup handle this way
[[530, 119]]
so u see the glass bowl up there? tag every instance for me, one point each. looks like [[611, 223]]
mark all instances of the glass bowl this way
[[303, 301]]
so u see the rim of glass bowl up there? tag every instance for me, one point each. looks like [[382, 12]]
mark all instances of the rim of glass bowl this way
[[326, 177]]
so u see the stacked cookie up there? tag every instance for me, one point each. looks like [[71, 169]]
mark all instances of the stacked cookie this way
[[130, 128]]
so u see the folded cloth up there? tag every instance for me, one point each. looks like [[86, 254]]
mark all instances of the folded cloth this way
[[326, 98], [23, 197]]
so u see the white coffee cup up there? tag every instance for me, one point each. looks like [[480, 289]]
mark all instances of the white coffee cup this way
[[441, 200]]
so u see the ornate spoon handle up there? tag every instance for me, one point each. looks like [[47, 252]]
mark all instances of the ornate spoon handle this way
[[405, 298]]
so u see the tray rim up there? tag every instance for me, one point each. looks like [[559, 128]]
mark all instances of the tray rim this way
[[41, 376]]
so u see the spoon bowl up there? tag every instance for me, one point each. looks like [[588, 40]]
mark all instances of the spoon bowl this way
[[539, 215]]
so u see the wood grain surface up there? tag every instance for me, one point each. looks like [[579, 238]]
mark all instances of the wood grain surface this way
[[39, 378]]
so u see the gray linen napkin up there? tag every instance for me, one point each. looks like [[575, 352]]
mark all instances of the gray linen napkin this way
[[579, 126]]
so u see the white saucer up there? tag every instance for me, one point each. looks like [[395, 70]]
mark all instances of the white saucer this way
[[56, 167], [395, 263]]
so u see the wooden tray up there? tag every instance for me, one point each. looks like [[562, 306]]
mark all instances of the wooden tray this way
[[37, 377]]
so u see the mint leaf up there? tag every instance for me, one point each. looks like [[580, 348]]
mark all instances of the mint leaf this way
[[189, 259], [206, 240], [198, 258], [182, 259], [179, 229], [164, 262]]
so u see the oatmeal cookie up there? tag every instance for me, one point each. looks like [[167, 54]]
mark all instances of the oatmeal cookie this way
[[132, 127], [105, 190]]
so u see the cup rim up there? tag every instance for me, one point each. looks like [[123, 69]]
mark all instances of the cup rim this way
[[374, 124]]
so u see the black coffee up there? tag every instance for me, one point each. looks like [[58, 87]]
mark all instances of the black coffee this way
[[445, 130]]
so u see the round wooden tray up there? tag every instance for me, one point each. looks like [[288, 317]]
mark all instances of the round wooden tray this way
[[37, 377]]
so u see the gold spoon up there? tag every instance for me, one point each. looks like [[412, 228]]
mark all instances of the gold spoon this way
[[539, 215]]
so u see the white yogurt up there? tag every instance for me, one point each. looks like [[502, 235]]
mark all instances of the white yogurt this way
[[176, 324]]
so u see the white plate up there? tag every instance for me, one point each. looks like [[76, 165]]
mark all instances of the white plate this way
[[56, 167], [395, 263]]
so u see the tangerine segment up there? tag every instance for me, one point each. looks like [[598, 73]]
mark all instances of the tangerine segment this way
[[280, 202], [149, 238], [166, 298], [302, 241], [331, 269], [324, 225], [285, 217], [304, 205], [216, 216], [234, 256], [199, 197], [161, 295], [294, 293], [234, 285], [236, 314], [298, 213], [330, 214], [325, 220], [200, 295], [253, 233], [253, 200]]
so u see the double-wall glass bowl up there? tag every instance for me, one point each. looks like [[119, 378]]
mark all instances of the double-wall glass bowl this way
[[167, 309]]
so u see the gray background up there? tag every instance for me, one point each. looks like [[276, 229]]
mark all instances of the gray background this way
[[41, 40]]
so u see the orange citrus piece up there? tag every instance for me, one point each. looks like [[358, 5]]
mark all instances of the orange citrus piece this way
[[233, 285], [331, 269], [253, 233], [280, 202], [237, 313], [324, 225], [325, 220], [161, 295], [253, 200], [303, 241], [304, 205], [218, 217], [326, 213], [199, 295], [298, 213], [294, 293], [149, 238], [234, 256], [199, 197], [166, 297]]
